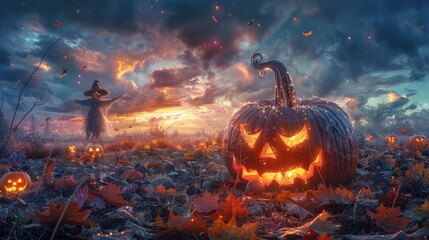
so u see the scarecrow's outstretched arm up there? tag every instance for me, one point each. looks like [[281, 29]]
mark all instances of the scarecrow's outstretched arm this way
[[82, 102], [110, 101]]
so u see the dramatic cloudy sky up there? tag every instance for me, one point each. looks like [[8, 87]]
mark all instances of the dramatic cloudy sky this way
[[186, 62]]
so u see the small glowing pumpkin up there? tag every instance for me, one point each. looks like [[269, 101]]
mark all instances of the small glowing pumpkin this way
[[419, 142], [202, 145], [15, 182], [392, 141], [94, 150], [369, 138]]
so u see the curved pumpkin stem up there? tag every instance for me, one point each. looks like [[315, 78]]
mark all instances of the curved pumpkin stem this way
[[284, 91]]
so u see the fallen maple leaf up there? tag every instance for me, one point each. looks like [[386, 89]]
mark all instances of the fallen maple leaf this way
[[293, 209], [132, 175], [180, 225], [232, 207], [161, 190], [389, 198], [207, 202], [72, 215], [48, 168], [81, 195], [230, 231], [111, 195], [326, 195], [320, 224], [422, 211], [389, 218], [312, 235], [65, 182], [367, 193], [418, 172]]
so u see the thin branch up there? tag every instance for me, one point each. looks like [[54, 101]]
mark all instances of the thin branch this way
[[20, 96], [421, 106], [36, 104], [28, 81]]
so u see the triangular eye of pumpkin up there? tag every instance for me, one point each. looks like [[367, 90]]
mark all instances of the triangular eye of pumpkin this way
[[90, 149], [19, 180], [250, 139], [296, 139], [9, 181], [97, 149]]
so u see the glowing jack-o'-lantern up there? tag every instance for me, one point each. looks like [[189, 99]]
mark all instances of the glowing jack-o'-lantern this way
[[369, 138], [94, 150], [71, 150], [392, 141], [202, 145], [419, 142], [286, 141], [15, 182]]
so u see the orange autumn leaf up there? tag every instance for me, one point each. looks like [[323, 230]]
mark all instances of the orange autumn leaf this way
[[312, 235], [176, 225], [72, 215], [207, 202], [65, 182], [132, 175], [159, 223], [161, 190], [232, 207], [418, 172], [111, 194], [422, 211], [329, 195], [389, 219], [389, 198], [230, 231], [307, 34], [48, 168]]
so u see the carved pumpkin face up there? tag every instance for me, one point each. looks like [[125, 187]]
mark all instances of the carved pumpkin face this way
[[71, 150], [284, 140], [94, 150], [391, 139], [418, 141], [15, 182], [369, 138]]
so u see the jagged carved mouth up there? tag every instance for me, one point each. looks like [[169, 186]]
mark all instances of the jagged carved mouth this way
[[282, 178]]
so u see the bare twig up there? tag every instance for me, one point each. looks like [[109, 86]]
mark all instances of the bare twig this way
[[397, 193], [21, 91]]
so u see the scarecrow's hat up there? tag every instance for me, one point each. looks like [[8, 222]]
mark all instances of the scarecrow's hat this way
[[96, 88]]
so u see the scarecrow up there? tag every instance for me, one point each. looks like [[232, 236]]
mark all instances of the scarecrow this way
[[96, 122]]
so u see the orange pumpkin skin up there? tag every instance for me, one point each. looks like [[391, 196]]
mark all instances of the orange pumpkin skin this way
[[419, 142], [94, 150], [15, 182], [286, 140]]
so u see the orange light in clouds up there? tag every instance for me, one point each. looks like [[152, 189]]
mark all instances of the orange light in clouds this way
[[392, 97], [242, 71], [124, 67], [44, 67]]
